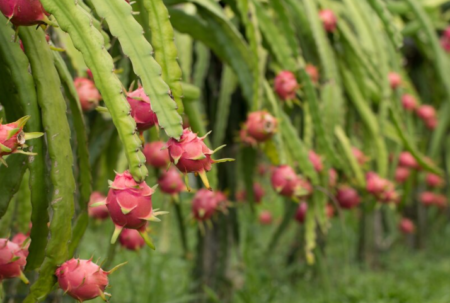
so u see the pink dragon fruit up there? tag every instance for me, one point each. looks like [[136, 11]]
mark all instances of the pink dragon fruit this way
[[332, 177], [156, 154], [406, 226], [131, 239], [426, 112], [141, 109], [265, 217], [245, 138], [328, 19], [99, 212], [24, 12], [427, 198], [83, 280], [347, 197], [258, 193], [361, 158], [130, 205], [190, 154], [445, 40], [263, 169], [12, 261], [204, 204], [407, 160], [434, 180], [329, 210], [409, 102], [300, 214], [170, 182], [431, 123], [382, 189], [313, 73], [395, 80], [286, 85], [440, 201], [23, 241], [87, 93], [401, 174], [286, 182], [259, 127], [316, 161]]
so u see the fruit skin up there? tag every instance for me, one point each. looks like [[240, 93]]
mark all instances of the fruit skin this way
[[87, 93], [204, 204], [316, 161], [426, 112], [347, 197], [406, 226], [260, 126], [82, 279], [328, 19], [286, 85], [300, 214], [407, 160], [24, 12], [286, 182], [409, 103], [156, 154], [170, 182], [10, 268], [99, 212], [434, 180], [265, 217], [141, 109], [427, 198], [131, 239], [129, 203], [12, 137], [313, 73], [21, 239], [380, 188], [395, 80], [361, 158], [402, 174]]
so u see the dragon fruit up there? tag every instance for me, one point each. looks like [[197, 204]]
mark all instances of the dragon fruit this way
[[259, 127], [329, 210], [405, 159], [130, 205], [316, 161], [24, 12], [361, 158], [395, 80], [382, 189], [434, 180], [347, 197], [87, 93], [265, 217], [445, 40], [300, 214], [286, 182], [431, 123], [23, 241], [328, 19], [409, 102], [99, 212], [401, 174], [170, 182], [204, 204], [426, 112], [12, 261], [406, 226], [12, 138], [440, 201], [332, 177], [190, 154], [286, 85], [83, 280], [131, 239], [313, 73], [156, 154], [141, 109], [427, 198], [258, 193]]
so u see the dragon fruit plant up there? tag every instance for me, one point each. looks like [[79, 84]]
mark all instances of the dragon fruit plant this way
[[24, 12], [87, 93], [12, 260]]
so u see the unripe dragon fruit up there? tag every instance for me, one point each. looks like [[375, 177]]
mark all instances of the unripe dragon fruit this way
[[434, 180], [190, 154], [405, 159], [347, 197], [409, 102], [328, 19], [24, 12], [131, 239], [141, 109], [87, 93], [401, 174], [406, 226], [12, 138], [287, 183], [156, 154], [265, 217], [361, 158], [23, 241], [300, 214], [395, 80], [313, 73], [260, 127], [130, 205], [204, 204], [426, 112], [83, 280], [12, 261], [316, 161], [427, 198], [286, 85], [170, 182], [99, 212]]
